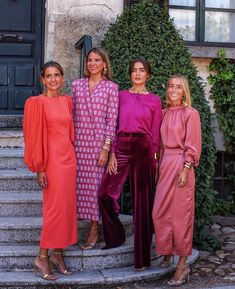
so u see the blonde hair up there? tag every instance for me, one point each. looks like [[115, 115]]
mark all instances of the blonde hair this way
[[106, 73], [187, 96]]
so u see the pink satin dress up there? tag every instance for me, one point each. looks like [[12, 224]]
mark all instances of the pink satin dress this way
[[173, 211]]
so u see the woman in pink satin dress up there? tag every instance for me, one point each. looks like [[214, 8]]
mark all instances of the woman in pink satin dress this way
[[173, 212]]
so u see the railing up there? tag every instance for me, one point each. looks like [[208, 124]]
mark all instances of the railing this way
[[84, 44]]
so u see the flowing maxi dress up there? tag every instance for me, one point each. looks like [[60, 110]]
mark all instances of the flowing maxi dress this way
[[49, 135], [173, 212], [95, 116]]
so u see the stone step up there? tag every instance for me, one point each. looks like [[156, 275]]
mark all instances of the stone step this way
[[16, 257], [20, 203], [11, 158], [91, 279], [18, 180], [11, 138], [11, 121], [27, 229]]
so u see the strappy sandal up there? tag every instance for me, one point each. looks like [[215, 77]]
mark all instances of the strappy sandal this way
[[44, 275], [57, 265], [91, 245], [184, 277], [166, 263]]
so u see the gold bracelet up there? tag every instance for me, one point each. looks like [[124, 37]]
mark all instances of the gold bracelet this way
[[156, 156]]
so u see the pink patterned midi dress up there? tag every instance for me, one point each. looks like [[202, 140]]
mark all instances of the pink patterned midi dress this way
[[95, 116]]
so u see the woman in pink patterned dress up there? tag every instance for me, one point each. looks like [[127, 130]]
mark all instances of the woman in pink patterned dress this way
[[95, 106], [173, 212]]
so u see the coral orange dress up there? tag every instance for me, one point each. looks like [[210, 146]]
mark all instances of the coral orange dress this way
[[49, 135], [173, 212]]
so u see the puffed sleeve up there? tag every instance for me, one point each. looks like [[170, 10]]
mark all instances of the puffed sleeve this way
[[157, 118], [70, 104], [35, 135], [193, 139], [112, 111]]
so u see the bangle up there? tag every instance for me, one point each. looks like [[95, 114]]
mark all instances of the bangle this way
[[107, 141], [188, 165], [156, 156]]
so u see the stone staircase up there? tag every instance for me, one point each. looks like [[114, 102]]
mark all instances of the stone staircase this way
[[20, 225]]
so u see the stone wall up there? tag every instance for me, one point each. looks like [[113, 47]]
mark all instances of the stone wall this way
[[202, 65], [67, 21]]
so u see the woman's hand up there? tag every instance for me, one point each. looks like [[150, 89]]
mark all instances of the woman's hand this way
[[42, 179], [103, 158], [183, 177], [112, 164]]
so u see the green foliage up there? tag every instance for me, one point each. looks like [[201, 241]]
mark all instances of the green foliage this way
[[146, 30], [225, 207], [223, 95]]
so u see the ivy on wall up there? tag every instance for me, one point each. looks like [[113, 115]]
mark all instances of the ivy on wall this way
[[146, 30], [223, 95]]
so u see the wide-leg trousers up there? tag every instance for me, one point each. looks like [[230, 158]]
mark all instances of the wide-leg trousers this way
[[134, 158]]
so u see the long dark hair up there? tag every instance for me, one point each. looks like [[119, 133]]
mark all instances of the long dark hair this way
[[142, 60]]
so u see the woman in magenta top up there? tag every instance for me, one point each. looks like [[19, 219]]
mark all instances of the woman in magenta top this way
[[133, 152], [173, 212]]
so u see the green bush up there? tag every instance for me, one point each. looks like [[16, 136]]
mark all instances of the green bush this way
[[223, 95], [146, 30]]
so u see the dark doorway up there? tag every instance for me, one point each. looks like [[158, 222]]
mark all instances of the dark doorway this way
[[21, 52]]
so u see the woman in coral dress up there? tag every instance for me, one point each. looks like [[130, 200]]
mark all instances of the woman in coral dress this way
[[95, 100], [49, 151], [173, 212]]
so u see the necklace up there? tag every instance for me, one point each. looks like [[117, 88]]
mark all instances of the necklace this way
[[134, 90]]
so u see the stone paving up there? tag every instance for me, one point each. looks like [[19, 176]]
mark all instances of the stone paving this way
[[212, 269]]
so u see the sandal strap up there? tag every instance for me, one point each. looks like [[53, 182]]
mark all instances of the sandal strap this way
[[42, 256]]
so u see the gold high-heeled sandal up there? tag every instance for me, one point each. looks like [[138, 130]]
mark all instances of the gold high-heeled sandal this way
[[57, 265], [184, 277], [46, 276], [91, 245], [166, 263]]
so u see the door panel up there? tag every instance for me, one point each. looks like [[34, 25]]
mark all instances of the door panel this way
[[20, 9], [21, 52]]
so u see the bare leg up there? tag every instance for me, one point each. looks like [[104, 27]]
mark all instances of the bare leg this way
[[181, 273], [42, 264], [93, 236], [166, 262], [57, 260]]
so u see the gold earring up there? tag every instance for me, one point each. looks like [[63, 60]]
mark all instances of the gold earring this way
[[105, 70]]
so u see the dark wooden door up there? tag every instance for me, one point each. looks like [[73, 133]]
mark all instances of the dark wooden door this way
[[21, 52]]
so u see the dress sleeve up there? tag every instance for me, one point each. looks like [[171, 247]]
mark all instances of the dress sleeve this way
[[157, 118], [112, 112], [35, 135], [193, 139], [70, 105]]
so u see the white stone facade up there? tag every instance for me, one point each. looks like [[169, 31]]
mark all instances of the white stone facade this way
[[67, 21]]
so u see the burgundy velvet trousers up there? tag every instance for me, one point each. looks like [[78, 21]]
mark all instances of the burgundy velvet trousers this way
[[135, 158]]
